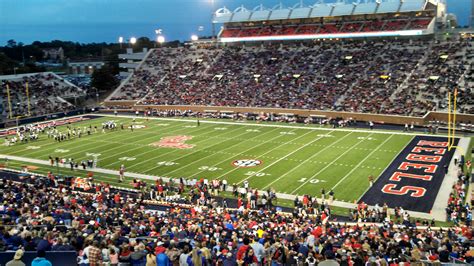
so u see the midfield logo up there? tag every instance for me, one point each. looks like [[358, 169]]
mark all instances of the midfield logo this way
[[176, 142], [246, 163]]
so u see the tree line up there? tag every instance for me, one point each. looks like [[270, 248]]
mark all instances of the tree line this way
[[20, 58]]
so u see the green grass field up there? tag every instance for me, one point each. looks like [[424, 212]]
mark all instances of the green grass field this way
[[294, 159]]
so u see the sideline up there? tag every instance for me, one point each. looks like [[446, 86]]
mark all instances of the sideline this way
[[375, 131], [441, 201]]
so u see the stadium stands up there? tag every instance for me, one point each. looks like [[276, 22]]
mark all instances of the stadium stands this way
[[381, 76], [47, 213], [330, 28], [48, 93]]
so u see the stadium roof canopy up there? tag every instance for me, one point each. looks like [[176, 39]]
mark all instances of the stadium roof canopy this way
[[320, 9]]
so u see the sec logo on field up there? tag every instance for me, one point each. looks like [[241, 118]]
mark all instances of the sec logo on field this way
[[246, 163]]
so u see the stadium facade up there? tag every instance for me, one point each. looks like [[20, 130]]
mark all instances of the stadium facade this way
[[322, 20]]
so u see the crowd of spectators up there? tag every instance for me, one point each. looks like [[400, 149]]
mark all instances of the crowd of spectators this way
[[107, 227], [458, 209], [47, 93], [393, 24], [404, 77]]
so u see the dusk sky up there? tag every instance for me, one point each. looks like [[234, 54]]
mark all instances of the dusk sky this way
[[106, 20]]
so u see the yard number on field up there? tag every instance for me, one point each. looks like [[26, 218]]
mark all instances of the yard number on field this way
[[92, 154], [165, 163], [312, 181], [127, 158], [365, 138], [209, 168], [33, 147], [325, 136], [253, 173]]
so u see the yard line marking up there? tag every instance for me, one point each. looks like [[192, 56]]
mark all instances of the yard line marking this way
[[151, 150], [362, 161], [47, 146], [184, 166], [133, 139], [70, 144], [248, 177], [324, 168], [194, 151], [172, 150], [388, 165], [275, 161], [136, 137], [269, 141], [233, 155], [308, 159]]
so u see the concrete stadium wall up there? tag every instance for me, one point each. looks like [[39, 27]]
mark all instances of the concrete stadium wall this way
[[378, 118]]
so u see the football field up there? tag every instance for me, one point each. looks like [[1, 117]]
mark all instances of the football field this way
[[292, 159]]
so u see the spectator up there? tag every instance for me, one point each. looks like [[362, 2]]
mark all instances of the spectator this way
[[16, 261], [40, 259], [151, 259], [162, 259], [114, 261], [95, 254], [329, 259]]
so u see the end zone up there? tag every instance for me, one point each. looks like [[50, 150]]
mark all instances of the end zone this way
[[413, 179]]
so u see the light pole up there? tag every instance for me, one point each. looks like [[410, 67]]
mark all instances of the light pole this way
[[213, 20], [97, 95]]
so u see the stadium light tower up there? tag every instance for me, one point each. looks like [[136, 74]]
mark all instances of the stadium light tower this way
[[158, 33], [120, 40], [213, 19], [160, 39], [133, 41], [472, 14], [194, 37]]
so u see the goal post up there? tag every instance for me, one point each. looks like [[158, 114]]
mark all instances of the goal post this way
[[452, 111], [28, 104]]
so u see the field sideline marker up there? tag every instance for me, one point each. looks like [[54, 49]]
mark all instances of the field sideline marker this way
[[285, 126]]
